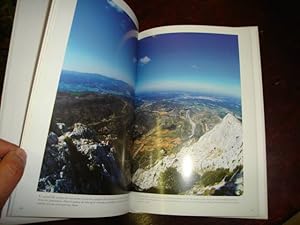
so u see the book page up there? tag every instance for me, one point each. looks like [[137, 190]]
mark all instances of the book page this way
[[77, 128], [198, 149], [19, 75]]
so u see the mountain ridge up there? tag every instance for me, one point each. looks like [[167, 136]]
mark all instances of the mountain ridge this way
[[73, 81], [221, 147]]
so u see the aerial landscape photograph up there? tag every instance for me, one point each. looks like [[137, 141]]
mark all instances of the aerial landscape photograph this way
[[89, 139], [166, 119], [187, 133]]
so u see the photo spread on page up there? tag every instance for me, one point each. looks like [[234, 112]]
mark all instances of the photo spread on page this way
[[188, 131], [78, 157], [89, 136], [196, 144]]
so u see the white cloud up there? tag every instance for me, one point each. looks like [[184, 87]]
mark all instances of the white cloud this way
[[196, 67], [114, 5], [145, 60]]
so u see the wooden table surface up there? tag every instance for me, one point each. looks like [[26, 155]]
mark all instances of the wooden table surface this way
[[280, 48]]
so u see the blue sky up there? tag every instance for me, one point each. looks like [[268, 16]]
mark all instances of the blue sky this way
[[198, 62], [102, 40]]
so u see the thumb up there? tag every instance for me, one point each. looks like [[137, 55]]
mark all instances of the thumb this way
[[11, 170]]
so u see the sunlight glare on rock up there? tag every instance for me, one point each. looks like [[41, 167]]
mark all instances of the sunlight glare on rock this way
[[187, 166]]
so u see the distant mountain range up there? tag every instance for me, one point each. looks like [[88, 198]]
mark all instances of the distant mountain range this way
[[77, 82]]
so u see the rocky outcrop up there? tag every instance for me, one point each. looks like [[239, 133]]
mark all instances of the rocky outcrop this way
[[76, 162], [220, 147]]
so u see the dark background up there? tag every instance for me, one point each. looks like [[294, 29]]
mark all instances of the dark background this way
[[279, 30]]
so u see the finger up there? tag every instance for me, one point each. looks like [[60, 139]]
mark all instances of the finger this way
[[5, 147], [11, 171]]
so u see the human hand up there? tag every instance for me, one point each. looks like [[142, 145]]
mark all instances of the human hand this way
[[12, 164]]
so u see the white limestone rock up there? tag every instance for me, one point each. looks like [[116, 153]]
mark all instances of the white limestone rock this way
[[220, 147]]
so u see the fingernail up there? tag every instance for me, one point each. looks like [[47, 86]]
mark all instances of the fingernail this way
[[21, 154]]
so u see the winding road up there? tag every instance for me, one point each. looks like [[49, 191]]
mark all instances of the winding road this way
[[187, 115]]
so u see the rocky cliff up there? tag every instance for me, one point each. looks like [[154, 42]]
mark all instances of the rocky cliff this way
[[77, 162], [219, 151]]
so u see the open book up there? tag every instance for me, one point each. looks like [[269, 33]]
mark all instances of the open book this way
[[166, 121]]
